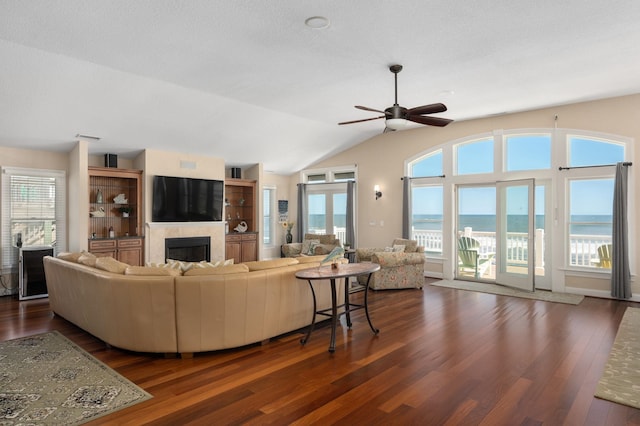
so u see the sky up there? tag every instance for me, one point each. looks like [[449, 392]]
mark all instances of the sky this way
[[523, 152]]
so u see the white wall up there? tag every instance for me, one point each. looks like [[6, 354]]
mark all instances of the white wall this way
[[283, 192], [381, 161]]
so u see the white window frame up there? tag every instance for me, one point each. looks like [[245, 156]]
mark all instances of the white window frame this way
[[9, 252], [312, 175], [558, 199], [330, 186], [269, 192]]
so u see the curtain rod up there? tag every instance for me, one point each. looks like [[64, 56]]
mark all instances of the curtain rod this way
[[627, 163], [328, 183], [422, 177]]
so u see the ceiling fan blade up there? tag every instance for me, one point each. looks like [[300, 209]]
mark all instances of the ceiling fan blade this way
[[429, 121], [427, 109], [369, 109], [360, 121]]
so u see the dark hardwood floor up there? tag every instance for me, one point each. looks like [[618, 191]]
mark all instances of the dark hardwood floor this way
[[443, 357]]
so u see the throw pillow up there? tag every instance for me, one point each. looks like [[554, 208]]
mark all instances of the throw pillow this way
[[323, 249], [110, 264], [70, 257], [179, 264], [87, 259], [398, 248], [173, 266], [204, 264], [306, 246], [186, 266]]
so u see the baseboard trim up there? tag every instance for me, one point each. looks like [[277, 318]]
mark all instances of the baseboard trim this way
[[602, 294]]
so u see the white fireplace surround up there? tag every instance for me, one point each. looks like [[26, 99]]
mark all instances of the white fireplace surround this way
[[156, 232]]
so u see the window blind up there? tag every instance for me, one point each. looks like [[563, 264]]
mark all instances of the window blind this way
[[34, 207]]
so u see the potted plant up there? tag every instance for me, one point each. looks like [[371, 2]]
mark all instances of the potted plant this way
[[125, 210]]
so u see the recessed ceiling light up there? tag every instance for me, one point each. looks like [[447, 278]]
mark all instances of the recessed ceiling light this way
[[317, 22]]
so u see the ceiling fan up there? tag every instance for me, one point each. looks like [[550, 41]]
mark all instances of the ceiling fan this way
[[397, 117]]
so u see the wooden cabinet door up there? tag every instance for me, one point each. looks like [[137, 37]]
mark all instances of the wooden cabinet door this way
[[249, 247], [106, 253], [130, 251], [233, 248], [249, 251], [131, 256], [233, 251]]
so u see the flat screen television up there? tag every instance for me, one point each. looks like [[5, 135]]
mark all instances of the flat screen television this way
[[179, 199]]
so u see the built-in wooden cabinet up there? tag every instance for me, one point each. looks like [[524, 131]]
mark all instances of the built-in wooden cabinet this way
[[111, 193], [242, 247], [239, 203], [125, 249], [240, 206]]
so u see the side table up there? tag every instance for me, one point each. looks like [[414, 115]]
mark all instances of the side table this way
[[342, 271]]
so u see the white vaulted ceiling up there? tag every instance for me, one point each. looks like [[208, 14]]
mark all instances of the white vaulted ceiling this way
[[247, 81]]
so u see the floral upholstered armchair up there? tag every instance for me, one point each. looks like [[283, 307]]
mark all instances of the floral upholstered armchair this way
[[311, 245], [401, 265]]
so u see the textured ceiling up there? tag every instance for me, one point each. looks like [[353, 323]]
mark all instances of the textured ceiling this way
[[249, 82]]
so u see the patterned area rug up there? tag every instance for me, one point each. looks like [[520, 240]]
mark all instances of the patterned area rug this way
[[47, 379], [547, 296], [620, 381]]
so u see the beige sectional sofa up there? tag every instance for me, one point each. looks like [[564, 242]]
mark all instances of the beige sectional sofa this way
[[203, 309]]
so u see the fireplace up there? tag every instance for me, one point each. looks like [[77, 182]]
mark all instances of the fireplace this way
[[190, 249]]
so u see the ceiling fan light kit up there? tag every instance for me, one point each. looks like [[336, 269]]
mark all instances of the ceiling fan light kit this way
[[397, 123], [398, 117]]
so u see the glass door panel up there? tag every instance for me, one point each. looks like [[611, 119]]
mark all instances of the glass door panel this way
[[317, 220], [328, 212], [542, 251], [476, 232], [339, 216], [515, 238]]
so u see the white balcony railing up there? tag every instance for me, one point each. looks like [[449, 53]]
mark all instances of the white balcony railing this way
[[341, 233], [584, 248]]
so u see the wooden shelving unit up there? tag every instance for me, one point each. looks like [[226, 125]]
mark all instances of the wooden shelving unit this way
[[239, 197], [127, 242], [240, 205]]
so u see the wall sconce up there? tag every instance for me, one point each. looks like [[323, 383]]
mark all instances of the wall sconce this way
[[376, 189]]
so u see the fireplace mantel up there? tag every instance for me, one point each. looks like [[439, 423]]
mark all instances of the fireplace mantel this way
[[156, 232]]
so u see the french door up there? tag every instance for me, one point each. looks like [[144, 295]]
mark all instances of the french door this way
[[495, 233], [327, 212], [515, 236]]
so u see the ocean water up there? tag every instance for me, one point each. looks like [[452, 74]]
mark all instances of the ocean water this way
[[581, 224]]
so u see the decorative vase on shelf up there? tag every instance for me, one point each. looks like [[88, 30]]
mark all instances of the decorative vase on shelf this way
[[99, 197], [289, 237]]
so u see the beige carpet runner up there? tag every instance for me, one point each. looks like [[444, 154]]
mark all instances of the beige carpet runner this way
[[547, 296], [46, 379], [620, 380]]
